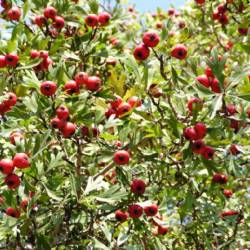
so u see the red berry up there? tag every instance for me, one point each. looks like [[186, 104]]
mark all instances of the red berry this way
[[223, 19], [116, 103], [11, 59], [201, 130], [231, 109], [198, 147], [12, 181], [159, 25], [123, 109], [228, 193], [208, 152], [194, 104], [190, 134], [110, 112], [235, 124], [14, 13], [209, 72], [215, 15], [162, 230], [228, 213], [91, 20], [24, 204], [3, 62], [5, 4], [48, 88], [12, 212], [50, 12], [234, 149], [171, 11], [151, 39], [39, 21], [15, 136], [135, 211], [62, 112], [243, 31], [121, 216], [34, 54], [215, 85], [58, 22], [6, 166], [141, 52], [222, 8], [10, 99], [179, 51], [200, 1], [134, 101], [44, 54], [93, 83], [204, 80], [219, 178], [103, 18], [71, 87], [68, 129], [81, 78], [151, 210], [121, 157], [57, 123], [21, 160], [138, 186]]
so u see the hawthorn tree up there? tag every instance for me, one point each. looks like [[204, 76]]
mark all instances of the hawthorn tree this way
[[123, 130]]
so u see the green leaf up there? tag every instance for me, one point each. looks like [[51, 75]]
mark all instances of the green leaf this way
[[216, 105]]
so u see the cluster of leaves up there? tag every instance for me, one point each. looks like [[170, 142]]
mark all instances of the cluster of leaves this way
[[74, 194]]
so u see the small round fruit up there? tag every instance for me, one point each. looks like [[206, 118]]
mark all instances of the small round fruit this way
[[179, 51], [204, 80], [14, 13], [81, 78], [138, 187], [228, 193], [12, 181], [57, 123], [151, 210], [6, 166], [135, 211], [103, 18], [50, 12], [141, 52], [34, 54], [190, 134], [58, 22], [12, 212], [11, 59], [48, 88], [121, 216], [201, 130], [91, 20], [62, 112], [3, 62], [134, 101], [208, 152], [93, 83], [151, 39], [68, 129], [21, 160], [39, 20], [121, 157], [219, 178], [123, 109], [71, 88]]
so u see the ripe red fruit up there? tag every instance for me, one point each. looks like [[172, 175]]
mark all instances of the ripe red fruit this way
[[208, 152], [231, 109], [58, 22], [194, 104], [103, 18], [215, 15], [234, 149], [21, 160], [62, 112], [11, 60], [48, 88], [204, 80], [57, 123], [123, 109], [81, 78], [179, 51], [223, 19], [24, 204], [10, 99], [12, 181], [71, 87], [215, 85], [151, 39], [5, 4], [111, 61], [200, 1], [201, 130], [91, 20], [243, 31], [6, 166], [50, 12], [3, 62], [110, 112], [162, 230], [228, 193], [219, 178], [40, 20], [93, 83], [121, 157], [209, 72], [190, 134], [228, 213], [151, 210], [235, 124], [44, 54], [138, 186], [141, 52], [159, 25], [222, 8], [14, 13], [198, 146], [171, 11], [135, 211], [121, 216], [116, 103], [34, 54], [12, 212], [68, 129], [134, 101]]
